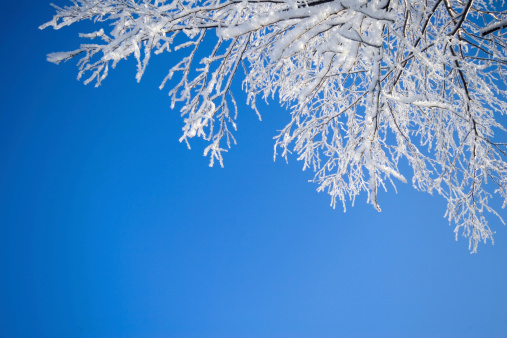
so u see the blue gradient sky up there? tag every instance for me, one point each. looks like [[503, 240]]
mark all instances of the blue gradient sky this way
[[109, 227]]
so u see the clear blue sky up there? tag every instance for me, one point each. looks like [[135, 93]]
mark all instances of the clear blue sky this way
[[109, 227]]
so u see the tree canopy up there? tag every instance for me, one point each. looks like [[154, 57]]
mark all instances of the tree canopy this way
[[368, 84]]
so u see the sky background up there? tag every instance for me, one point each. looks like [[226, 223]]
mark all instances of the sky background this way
[[109, 227]]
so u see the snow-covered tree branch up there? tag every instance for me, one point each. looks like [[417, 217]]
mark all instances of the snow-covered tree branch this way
[[368, 84]]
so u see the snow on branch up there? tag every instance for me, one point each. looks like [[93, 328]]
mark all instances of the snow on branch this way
[[367, 84]]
